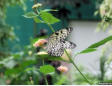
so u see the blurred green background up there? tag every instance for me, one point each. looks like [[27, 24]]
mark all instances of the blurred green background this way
[[80, 10], [19, 62]]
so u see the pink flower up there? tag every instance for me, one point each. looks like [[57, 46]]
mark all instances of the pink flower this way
[[39, 42], [8, 82], [62, 68]]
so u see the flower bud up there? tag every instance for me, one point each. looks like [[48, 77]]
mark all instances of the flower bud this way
[[62, 68], [36, 5], [39, 43]]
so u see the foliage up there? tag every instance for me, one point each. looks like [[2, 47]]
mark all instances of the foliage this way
[[27, 67], [47, 69], [77, 79], [5, 3], [105, 11], [47, 18], [7, 31], [104, 76]]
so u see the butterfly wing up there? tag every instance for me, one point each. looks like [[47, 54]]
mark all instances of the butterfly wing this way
[[56, 43], [55, 49], [61, 34], [68, 44]]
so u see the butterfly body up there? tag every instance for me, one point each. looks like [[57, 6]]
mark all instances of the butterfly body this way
[[57, 43]]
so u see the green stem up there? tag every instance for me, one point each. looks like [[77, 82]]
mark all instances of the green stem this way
[[77, 67], [45, 75], [35, 25], [73, 61], [51, 27], [46, 81]]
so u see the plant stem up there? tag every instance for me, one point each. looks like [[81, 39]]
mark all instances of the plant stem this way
[[35, 25], [72, 60], [51, 28], [45, 75], [77, 67], [46, 80]]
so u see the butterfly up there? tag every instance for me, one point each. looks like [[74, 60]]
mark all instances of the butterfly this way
[[57, 42]]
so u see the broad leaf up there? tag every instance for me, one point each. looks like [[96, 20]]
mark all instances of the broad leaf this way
[[48, 18], [47, 69], [37, 20], [30, 15]]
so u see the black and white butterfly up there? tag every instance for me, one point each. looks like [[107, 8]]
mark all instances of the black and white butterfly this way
[[57, 43]]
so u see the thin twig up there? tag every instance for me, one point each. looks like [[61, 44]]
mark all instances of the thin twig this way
[[51, 28], [77, 67], [45, 75], [35, 25], [46, 81]]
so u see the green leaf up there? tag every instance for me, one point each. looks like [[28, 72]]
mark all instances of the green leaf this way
[[37, 20], [48, 18], [27, 63], [47, 10], [92, 47], [88, 50], [95, 45], [30, 15], [51, 58], [47, 69], [14, 71]]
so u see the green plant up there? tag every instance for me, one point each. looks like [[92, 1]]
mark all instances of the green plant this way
[[105, 14], [43, 16], [7, 31], [28, 67]]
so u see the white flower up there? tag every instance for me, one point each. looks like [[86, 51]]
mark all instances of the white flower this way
[[36, 5]]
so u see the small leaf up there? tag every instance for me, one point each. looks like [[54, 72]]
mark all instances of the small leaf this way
[[95, 45], [47, 10], [47, 69], [37, 20], [92, 47], [30, 15], [88, 50], [48, 18]]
